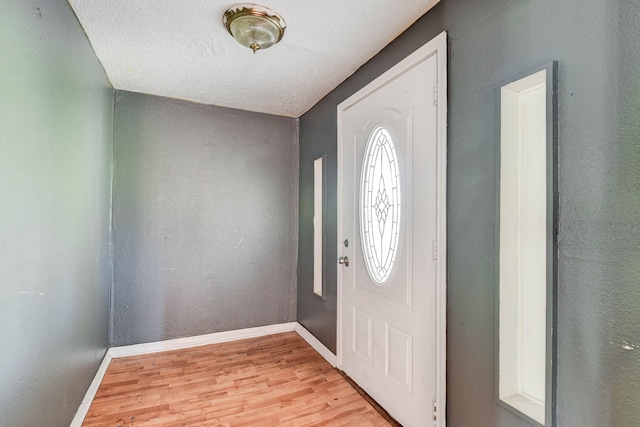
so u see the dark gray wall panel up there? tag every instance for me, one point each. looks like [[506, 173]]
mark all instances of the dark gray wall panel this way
[[56, 110], [205, 224], [317, 314], [599, 183]]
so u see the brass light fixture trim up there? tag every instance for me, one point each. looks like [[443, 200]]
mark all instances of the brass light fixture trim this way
[[254, 26]]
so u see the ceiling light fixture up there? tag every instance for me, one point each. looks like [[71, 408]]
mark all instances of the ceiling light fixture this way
[[254, 26]]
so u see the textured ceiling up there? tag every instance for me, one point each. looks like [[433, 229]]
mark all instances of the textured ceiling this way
[[182, 49]]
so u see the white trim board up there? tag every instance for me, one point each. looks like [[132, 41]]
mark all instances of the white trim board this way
[[317, 345], [188, 342], [83, 409]]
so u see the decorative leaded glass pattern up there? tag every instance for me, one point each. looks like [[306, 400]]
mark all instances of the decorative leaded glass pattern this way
[[380, 205]]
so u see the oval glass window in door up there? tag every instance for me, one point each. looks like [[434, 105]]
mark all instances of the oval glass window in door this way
[[380, 205]]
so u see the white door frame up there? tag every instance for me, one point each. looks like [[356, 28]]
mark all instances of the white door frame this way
[[438, 47]]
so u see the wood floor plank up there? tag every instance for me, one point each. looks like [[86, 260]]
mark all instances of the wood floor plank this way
[[277, 380]]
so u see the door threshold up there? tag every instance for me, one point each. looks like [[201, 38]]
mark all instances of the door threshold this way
[[370, 399]]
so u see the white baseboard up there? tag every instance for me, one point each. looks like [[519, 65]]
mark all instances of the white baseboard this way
[[91, 392], [180, 343], [317, 345], [215, 338]]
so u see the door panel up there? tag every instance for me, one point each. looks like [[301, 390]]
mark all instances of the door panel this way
[[388, 207], [362, 334], [399, 356]]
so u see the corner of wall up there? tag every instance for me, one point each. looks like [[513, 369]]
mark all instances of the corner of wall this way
[[295, 200], [111, 229]]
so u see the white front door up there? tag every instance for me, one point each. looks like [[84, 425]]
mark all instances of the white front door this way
[[391, 160]]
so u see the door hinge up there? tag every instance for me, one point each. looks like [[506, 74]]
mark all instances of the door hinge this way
[[435, 251], [435, 412], [435, 94]]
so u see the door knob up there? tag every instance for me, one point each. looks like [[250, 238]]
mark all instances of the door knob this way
[[344, 260]]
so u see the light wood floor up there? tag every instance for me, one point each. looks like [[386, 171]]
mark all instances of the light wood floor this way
[[277, 380]]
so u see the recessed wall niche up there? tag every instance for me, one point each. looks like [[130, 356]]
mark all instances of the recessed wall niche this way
[[318, 226], [527, 246]]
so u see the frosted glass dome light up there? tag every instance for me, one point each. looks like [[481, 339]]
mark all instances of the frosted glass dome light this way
[[254, 26]]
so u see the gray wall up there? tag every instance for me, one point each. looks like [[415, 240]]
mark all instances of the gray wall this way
[[56, 109], [596, 44], [205, 219], [318, 133]]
